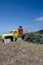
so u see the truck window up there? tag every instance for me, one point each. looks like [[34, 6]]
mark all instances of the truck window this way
[[13, 32]]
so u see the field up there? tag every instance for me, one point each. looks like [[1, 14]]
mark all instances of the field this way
[[21, 53]]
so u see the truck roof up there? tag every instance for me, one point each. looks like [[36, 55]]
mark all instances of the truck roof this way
[[13, 30]]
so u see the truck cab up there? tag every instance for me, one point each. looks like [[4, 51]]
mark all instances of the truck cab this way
[[16, 33]]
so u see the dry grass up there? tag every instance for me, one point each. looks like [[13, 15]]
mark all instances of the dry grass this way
[[21, 53]]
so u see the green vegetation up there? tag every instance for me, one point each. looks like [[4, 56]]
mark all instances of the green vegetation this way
[[39, 32], [34, 37]]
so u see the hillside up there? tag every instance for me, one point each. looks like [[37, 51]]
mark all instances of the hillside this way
[[40, 32], [21, 53]]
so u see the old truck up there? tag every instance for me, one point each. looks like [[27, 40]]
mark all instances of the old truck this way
[[12, 36]]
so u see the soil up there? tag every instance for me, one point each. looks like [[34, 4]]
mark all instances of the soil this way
[[21, 53]]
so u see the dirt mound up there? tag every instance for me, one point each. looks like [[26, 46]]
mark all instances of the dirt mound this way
[[21, 53]]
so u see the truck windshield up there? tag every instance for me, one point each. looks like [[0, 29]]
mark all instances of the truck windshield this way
[[13, 32]]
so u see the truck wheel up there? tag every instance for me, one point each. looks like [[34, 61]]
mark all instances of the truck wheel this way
[[23, 37], [7, 40]]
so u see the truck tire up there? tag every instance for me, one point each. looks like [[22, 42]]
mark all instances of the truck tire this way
[[7, 40], [23, 37]]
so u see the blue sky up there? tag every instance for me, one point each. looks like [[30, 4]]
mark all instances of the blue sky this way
[[28, 13]]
